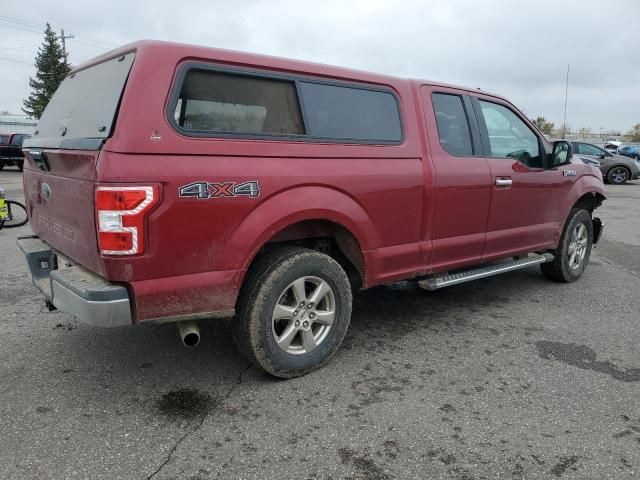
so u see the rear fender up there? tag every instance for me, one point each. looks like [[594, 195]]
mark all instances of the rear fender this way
[[292, 206]]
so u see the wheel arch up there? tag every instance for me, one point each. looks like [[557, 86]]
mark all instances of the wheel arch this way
[[588, 193], [305, 215]]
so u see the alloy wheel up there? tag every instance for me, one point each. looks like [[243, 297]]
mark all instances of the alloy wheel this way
[[303, 315], [578, 246], [618, 175]]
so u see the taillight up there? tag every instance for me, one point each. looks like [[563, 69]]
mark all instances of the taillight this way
[[120, 214]]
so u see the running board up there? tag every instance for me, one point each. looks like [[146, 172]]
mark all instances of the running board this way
[[446, 279]]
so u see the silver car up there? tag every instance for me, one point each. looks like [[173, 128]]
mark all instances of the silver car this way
[[615, 169]]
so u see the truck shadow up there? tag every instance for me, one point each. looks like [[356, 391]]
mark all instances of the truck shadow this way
[[382, 317]]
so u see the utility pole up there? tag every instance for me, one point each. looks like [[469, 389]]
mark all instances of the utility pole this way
[[566, 92], [63, 37]]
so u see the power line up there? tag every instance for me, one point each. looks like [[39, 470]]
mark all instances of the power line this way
[[29, 26], [94, 39], [99, 47], [16, 61], [18, 20], [19, 28], [20, 48]]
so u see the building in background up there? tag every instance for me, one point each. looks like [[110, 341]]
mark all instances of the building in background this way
[[10, 123]]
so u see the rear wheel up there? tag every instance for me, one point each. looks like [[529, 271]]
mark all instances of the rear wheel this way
[[618, 175], [573, 252], [293, 311]]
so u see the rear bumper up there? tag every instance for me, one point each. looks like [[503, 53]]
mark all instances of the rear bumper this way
[[74, 289]]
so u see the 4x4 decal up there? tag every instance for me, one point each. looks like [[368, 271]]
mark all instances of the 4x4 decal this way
[[204, 190]]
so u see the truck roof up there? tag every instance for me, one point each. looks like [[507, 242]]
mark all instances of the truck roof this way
[[195, 52]]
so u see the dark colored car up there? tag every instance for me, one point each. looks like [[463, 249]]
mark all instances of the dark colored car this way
[[616, 169], [632, 151], [11, 150], [182, 183]]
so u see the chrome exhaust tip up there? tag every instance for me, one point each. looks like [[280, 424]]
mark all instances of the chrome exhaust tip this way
[[189, 333]]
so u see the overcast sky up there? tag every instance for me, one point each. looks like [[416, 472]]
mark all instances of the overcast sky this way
[[501, 46]]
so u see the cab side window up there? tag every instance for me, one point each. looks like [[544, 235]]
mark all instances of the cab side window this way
[[453, 126], [586, 149], [509, 136], [16, 140]]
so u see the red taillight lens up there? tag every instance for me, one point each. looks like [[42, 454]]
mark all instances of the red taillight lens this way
[[120, 214], [119, 200]]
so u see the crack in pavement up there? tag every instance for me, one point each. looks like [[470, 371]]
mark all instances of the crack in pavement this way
[[616, 266], [4, 269], [199, 424]]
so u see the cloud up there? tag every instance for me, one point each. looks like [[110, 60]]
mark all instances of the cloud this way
[[518, 50]]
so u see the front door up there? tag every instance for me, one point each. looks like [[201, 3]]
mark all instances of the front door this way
[[524, 215]]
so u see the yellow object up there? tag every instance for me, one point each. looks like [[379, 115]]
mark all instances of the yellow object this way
[[4, 211]]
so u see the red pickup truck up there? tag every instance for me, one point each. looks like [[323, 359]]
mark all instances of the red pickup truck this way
[[176, 182]]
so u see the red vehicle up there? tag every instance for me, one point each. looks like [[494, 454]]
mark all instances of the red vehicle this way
[[170, 181]]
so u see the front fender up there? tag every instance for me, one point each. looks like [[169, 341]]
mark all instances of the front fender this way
[[583, 185], [292, 206]]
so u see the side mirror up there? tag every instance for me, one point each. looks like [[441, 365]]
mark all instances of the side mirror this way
[[603, 156], [561, 154]]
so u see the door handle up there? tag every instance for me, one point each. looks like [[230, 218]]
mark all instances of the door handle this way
[[503, 182]]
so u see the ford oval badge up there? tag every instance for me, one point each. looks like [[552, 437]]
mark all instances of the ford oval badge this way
[[45, 189]]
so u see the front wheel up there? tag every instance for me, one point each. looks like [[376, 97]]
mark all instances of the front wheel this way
[[293, 312], [572, 255]]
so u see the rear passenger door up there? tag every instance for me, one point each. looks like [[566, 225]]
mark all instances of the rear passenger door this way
[[461, 192], [525, 194]]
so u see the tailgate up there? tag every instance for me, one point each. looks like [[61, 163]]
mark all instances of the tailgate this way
[[60, 203]]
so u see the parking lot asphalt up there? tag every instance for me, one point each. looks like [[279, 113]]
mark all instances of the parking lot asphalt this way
[[507, 377]]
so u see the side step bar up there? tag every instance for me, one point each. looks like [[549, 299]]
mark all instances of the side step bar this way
[[448, 279]]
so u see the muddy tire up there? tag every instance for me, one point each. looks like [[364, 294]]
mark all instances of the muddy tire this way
[[574, 250], [293, 311]]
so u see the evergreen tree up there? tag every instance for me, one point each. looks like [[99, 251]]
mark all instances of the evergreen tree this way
[[51, 68], [542, 124]]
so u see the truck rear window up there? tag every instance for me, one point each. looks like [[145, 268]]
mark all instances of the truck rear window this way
[[85, 104]]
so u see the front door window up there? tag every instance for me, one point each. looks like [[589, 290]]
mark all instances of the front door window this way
[[509, 136]]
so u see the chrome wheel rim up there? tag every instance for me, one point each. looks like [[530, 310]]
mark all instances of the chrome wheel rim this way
[[303, 315], [618, 175], [578, 246]]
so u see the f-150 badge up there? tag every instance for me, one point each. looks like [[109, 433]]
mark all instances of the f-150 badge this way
[[205, 190], [569, 173]]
